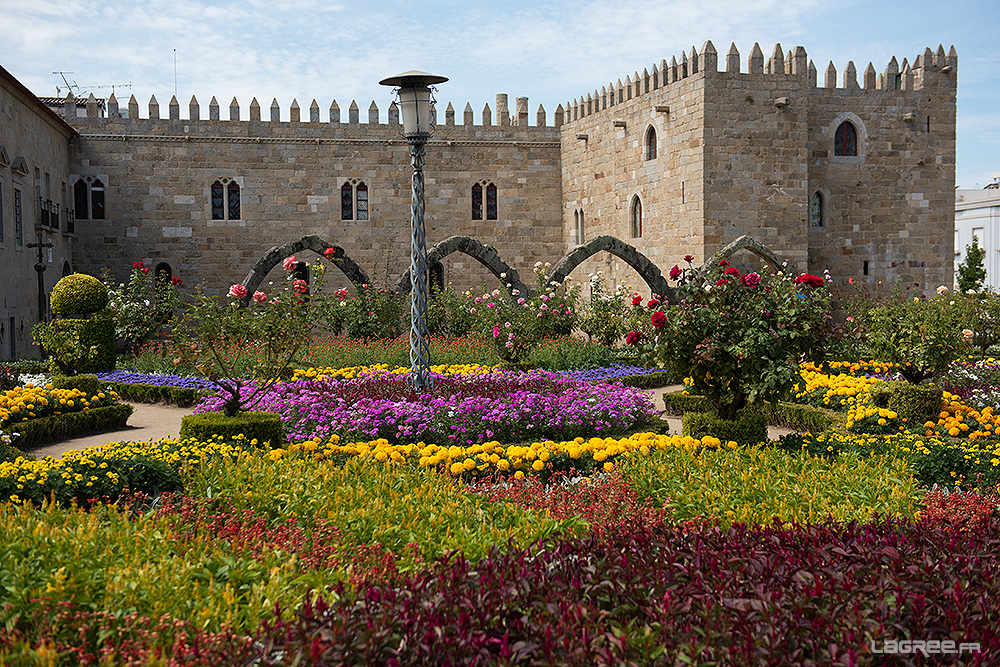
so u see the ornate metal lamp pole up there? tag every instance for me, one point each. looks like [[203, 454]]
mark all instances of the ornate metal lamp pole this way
[[414, 90]]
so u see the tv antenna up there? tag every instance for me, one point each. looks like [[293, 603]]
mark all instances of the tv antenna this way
[[67, 86]]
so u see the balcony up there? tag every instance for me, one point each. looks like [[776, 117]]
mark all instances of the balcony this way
[[48, 213], [69, 220]]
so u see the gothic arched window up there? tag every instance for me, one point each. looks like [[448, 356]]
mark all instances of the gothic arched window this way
[[636, 217], [845, 141], [97, 200], [651, 143], [81, 200], [477, 202], [816, 218]]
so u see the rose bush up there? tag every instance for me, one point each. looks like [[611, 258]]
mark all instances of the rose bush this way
[[739, 337]]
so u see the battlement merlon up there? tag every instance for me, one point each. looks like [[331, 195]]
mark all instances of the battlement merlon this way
[[930, 69], [124, 121]]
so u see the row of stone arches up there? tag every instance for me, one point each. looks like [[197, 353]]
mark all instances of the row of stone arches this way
[[489, 258]]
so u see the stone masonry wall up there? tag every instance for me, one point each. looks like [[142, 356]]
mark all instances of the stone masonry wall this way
[[32, 140], [159, 174]]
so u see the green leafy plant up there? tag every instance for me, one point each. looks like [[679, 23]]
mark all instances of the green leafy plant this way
[[972, 271], [923, 335], [78, 294], [605, 317], [739, 337]]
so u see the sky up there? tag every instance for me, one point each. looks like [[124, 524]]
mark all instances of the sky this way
[[550, 52]]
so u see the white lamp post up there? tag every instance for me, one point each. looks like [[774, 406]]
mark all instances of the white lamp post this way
[[415, 98]]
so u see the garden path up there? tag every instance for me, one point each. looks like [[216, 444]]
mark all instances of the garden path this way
[[155, 421], [150, 421]]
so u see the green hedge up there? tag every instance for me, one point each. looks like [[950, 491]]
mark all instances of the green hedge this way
[[86, 383], [749, 429], [915, 403], [36, 432], [790, 415], [182, 397], [265, 427]]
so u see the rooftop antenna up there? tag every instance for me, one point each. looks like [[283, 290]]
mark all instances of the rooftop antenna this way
[[68, 86]]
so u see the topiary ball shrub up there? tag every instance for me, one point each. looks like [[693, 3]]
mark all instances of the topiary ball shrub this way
[[265, 427], [749, 429], [79, 294]]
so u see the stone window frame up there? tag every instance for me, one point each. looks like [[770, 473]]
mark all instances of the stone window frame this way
[[225, 181], [578, 231], [88, 181], [484, 204], [831, 138], [824, 203], [650, 149], [354, 182]]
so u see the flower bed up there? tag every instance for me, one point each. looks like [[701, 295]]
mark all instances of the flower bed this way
[[462, 410], [156, 379]]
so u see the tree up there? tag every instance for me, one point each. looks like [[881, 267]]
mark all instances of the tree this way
[[972, 270]]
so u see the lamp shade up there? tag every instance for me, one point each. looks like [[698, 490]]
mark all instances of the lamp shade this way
[[414, 99]]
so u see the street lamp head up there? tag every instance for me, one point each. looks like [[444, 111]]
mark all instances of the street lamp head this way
[[415, 99]]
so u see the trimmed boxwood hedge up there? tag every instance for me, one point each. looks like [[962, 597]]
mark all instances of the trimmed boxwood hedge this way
[[265, 427], [86, 383], [36, 432], [790, 415], [646, 380], [99, 331], [916, 403], [749, 429], [182, 397]]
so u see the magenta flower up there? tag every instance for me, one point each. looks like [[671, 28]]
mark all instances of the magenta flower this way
[[238, 291], [750, 279], [675, 272]]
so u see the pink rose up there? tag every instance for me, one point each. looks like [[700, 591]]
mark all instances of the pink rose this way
[[289, 263], [750, 279], [300, 287], [238, 291], [259, 297], [496, 332]]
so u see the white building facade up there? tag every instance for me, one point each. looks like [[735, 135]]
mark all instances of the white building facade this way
[[977, 214]]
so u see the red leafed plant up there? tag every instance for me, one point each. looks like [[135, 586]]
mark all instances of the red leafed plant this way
[[964, 511]]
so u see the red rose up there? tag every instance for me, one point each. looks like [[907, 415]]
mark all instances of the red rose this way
[[652, 303], [175, 281], [675, 272], [634, 337], [723, 263], [721, 281], [329, 252], [658, 319], [636, 300], [732, 271], [750, 279], [808, 279], [688, 258]]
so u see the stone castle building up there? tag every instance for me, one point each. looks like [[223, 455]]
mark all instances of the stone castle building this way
[[680, 159]]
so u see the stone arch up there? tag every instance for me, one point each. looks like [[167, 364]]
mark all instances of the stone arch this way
[[484, 254], [756, 247], [628, 254], [277, 254]]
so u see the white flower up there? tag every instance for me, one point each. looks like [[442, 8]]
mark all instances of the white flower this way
[[503, 275]]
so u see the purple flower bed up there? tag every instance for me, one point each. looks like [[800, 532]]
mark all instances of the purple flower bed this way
[[610, 372], [156, 379], [807, 595], [462, 409]]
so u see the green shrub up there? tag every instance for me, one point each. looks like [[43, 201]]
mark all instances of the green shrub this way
[[265, 427], [748, 429], [648, 380], [60, 427], [182, 397], [87, 383], [790, 415], [914, 403], [99, 332], [79, 294]]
